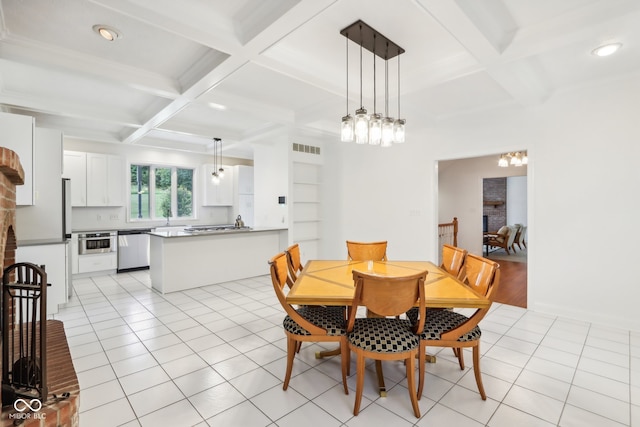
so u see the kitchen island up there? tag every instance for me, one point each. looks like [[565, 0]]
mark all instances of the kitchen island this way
[[182, 260]]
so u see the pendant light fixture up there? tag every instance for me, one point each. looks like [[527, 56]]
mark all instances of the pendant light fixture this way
[[372, 129], [387, 122], [517, 158], [362, 119], [375, 121], [218, 171], [346, 131], [398, 125]]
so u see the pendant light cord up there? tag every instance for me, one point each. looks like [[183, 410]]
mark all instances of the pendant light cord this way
[[347, 50], [361, 105], [399, 87]]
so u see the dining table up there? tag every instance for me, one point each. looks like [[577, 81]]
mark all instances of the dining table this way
[[330, 283]]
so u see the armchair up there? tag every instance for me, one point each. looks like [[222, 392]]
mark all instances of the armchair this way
[[503, 238]]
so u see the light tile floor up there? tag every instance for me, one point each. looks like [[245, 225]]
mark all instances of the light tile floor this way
[[216, 356]]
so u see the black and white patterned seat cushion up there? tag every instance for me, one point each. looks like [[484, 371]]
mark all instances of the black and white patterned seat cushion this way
[[383, 335], [412, 315], [441, 321], [329, 318]]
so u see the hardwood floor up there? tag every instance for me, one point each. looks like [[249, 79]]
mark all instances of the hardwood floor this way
[[513, 284]]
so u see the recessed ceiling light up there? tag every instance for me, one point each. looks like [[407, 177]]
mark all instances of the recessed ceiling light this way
[[606, 49], [107, 32]]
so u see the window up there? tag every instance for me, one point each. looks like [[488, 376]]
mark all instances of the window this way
[[161, 192]]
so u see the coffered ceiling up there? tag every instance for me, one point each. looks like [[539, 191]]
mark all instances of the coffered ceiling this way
[[183, 72]]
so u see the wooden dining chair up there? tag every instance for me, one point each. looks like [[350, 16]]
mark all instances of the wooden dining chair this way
[[308, 323], [293, 261], [447, 328], [367, 251], [386, 338], [453, 259]]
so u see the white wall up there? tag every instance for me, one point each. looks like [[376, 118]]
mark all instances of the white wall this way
[[271, 180], [517, 200], [581, 216]]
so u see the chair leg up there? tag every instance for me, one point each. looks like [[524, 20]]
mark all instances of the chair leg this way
[[411, 383], [359, 381], [344, 355], [476, 371], [298, 346], [460, 355], [421, 368], [292, 345]]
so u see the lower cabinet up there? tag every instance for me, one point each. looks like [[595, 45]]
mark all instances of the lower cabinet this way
[[97, 262], [54, 259]]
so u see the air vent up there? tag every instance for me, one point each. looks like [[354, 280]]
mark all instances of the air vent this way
[[310, 149]]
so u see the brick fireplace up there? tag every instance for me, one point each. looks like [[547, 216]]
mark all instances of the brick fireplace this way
[[60, 409]]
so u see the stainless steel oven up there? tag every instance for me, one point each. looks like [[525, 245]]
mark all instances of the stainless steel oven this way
[[97, 243]]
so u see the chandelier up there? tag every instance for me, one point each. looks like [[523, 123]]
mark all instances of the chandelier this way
[[218, 171], [372, 128], [517, 158]]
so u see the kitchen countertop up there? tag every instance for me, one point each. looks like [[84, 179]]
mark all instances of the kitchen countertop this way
[[41, 242], [180, 233]]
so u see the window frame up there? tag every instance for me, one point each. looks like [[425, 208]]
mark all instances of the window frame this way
[[173, 188]]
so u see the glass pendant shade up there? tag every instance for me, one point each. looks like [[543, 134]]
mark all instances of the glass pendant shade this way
[[387, 132], [221, 173], [503, 162], [525, 159], [398, 131], [215, 178], [346, 130], [362, 126], [375, 129]]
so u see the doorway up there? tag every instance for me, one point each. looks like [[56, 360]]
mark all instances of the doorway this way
[[460, 194]]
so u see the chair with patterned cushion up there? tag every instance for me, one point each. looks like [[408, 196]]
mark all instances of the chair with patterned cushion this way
[[447, 328], [386, 338], [308, 323], [367, 251], [293, 261], [453, 259]]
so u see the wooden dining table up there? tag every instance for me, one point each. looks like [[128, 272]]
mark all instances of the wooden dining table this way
[[330, 282]]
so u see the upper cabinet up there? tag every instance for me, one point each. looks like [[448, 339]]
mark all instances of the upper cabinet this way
[[75, 168], [96, 179], [220, 194], [16, 133], [244, 178]]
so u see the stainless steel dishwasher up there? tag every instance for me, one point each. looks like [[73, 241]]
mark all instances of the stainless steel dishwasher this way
[[133, 249]]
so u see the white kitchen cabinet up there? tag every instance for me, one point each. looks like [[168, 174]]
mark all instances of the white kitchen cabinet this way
[[96, 179], [75, 168], [17, 134], [217, 194], [54, 258], [97, 262]]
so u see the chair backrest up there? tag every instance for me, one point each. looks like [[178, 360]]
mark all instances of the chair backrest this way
[[523, 234], [388, 296], [512, 236], [482, 274], [293, 261], [280, 278], [453, 259], [367, 251]]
